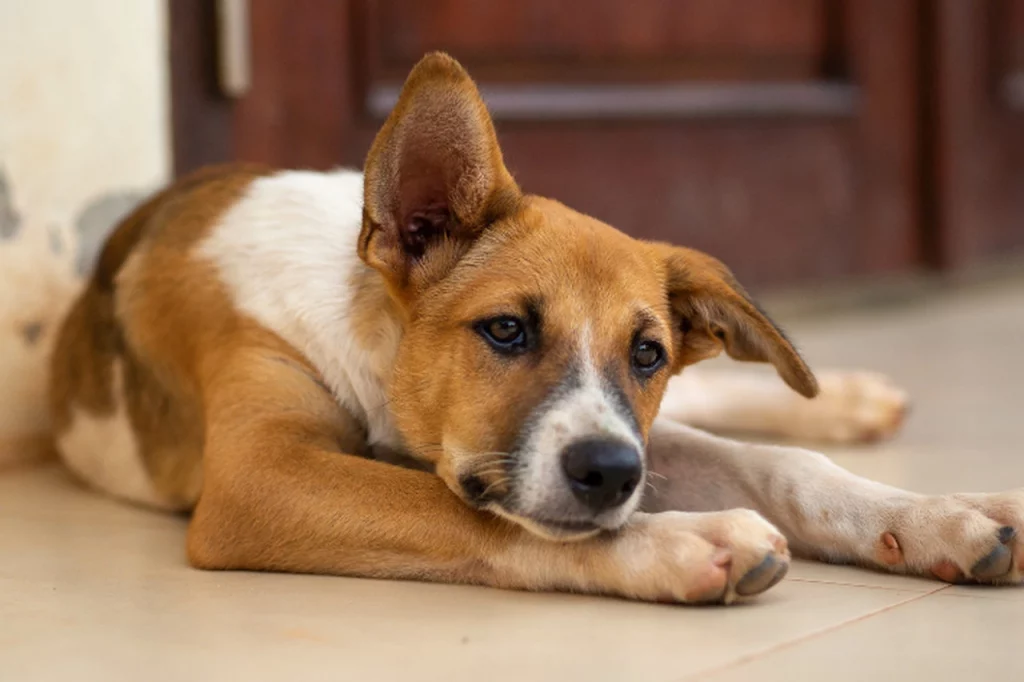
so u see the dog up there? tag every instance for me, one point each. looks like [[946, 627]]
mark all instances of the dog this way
[[421, 372]]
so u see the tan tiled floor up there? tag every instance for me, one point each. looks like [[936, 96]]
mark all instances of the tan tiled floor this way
[[90, 590]]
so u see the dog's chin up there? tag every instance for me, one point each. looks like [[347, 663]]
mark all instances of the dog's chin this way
[[551, 529]]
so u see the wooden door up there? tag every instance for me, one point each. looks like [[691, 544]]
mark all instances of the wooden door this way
[[778, 135], [978, 155]]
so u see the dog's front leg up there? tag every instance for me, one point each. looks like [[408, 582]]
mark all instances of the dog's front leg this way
[[829, 513], [278, 495]]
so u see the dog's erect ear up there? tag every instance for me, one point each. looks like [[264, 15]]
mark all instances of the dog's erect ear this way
[[434, 177], [712, 311]]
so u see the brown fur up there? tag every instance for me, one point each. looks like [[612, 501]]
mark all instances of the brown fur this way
[[437, 159], [163, 402], [232, 418]]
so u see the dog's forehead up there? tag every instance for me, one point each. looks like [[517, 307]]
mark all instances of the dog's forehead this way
[[577, 265]]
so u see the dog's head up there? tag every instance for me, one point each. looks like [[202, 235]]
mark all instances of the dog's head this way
[[538, 341]]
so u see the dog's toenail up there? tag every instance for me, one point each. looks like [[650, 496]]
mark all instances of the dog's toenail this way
[[947, 571], [761, 577], [1007, 534], [780, 573], [993, 565]]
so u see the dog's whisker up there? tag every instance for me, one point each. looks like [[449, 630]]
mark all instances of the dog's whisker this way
[[500, 481], [492, 463], [495, 463], [495, 454], [489, 472]]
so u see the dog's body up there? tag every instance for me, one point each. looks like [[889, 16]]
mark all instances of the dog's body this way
[[253, 343]]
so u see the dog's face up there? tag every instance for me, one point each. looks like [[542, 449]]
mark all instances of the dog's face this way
[[538, 341]]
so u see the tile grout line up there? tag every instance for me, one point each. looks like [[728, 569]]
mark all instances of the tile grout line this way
[[840, 583], [747, 658], [1001, 588]]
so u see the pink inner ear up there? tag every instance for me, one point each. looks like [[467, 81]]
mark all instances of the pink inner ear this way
[[424, 213], [422, 227], [429, 173]]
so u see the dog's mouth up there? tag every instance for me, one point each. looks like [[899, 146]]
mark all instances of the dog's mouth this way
[[500, 496], [551, 529], [484, 497]]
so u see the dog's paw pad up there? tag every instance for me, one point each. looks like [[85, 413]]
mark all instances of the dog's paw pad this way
[[711, 587], [888, 551], [947, 572]]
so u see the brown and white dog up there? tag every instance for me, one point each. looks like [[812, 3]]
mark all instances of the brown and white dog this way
[[253, 344]]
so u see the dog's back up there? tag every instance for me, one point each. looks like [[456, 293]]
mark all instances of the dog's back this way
[[145, 447]]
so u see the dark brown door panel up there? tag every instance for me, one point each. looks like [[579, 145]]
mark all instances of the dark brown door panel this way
[[779, 135], [979, 145]]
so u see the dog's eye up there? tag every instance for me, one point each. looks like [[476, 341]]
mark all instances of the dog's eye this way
[[505, 334], [647, 357]]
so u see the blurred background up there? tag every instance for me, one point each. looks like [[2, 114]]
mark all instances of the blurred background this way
[[808, 143]]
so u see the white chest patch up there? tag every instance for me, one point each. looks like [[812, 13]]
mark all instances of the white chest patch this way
[[103, 451], [287, 253]]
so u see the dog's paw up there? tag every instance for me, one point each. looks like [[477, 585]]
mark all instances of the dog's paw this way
[[702, 558], [959, 538], [760, 554], [852, 407]]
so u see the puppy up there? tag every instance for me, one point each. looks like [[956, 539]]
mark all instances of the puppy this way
[[259, 347]]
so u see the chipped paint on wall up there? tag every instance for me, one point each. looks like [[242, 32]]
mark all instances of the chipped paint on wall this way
[[95, 223], [10, 221], [31, 331], [39, 278], [84, 133]]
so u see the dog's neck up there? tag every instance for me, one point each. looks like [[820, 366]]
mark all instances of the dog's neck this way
[[375, 324]]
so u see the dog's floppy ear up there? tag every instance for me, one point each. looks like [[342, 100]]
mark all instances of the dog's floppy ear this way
[[711, 311], [434, 177]]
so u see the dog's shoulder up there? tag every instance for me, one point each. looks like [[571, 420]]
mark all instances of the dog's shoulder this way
[[286, 252], [288, 234]]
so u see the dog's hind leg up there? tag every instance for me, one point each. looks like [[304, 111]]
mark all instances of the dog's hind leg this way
[[852, 406]]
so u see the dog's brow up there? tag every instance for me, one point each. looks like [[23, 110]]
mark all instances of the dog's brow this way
[[533, 306], [645, 319]]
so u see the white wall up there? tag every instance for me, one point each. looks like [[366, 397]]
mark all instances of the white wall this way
[[84, 132]]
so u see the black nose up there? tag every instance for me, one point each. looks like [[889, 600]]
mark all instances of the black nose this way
[[602, 473]]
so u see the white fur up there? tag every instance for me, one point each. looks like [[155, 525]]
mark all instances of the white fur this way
[[586, 411], [102, 450], [287, 253]]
